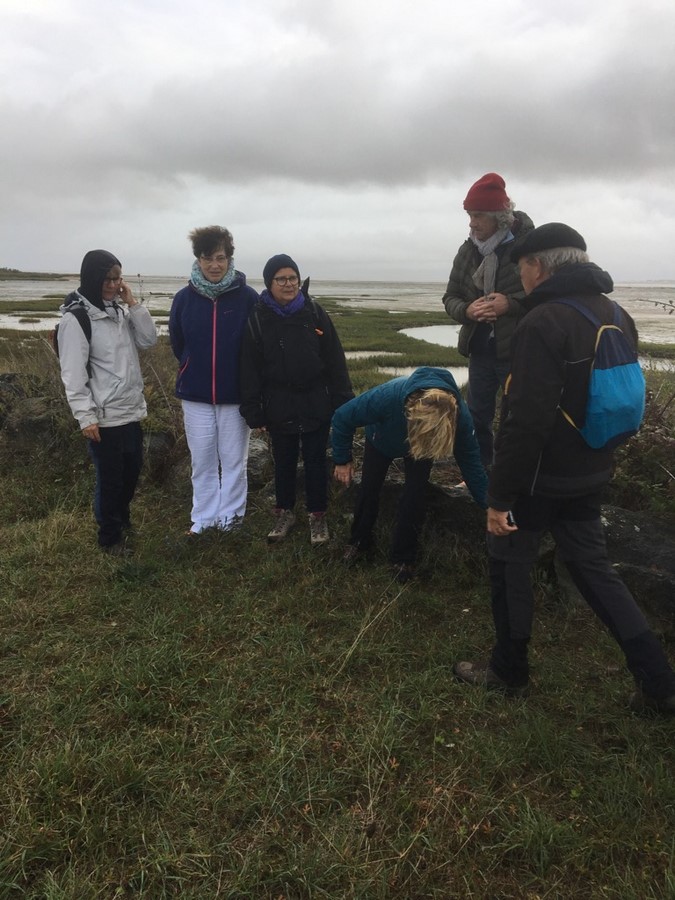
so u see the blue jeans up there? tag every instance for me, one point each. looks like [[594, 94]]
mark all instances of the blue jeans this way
[[578, 532], [118, 459], [286, 451], [486, 376]]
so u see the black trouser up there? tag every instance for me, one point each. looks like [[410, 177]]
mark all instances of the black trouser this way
[[286, 450], [411, 508], [118, 459], [578, 532]]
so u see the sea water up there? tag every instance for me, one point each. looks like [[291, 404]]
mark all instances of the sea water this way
[[640, 299]]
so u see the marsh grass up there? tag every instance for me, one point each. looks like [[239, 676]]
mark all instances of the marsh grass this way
[[229, 719]]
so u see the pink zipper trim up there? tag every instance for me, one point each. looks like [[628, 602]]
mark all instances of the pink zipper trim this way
[[213, 355]]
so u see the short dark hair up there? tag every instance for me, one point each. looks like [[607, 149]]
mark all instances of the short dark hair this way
[[208, 240]]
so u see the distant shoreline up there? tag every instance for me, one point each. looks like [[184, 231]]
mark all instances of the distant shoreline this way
[[17, 275]]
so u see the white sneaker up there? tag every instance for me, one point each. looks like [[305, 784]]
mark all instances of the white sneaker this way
[[285, 521]]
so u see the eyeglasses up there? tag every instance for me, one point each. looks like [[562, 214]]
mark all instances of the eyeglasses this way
[[287, 279], [221, 259], [112, 280]]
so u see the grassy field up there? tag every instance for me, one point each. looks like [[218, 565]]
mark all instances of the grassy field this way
[[230, 720]]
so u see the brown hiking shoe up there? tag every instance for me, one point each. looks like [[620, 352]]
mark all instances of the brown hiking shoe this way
[[483, 675], [318, 528], [285, 521]]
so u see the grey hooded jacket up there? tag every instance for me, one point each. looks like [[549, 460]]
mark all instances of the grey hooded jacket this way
[[103, 380]]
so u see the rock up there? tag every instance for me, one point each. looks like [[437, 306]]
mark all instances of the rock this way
[[642, 548], [158, 451], [28, 423], [260, 469]]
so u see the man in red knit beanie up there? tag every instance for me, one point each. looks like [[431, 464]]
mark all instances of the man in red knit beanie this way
[[483, 295]]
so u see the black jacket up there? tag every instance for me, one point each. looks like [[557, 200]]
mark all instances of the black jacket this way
[[537, 451], [293, 370]]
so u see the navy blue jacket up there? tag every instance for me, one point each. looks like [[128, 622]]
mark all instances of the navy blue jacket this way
[[382, 411], [206, 340]]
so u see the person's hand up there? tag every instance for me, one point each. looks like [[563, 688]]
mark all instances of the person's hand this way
[[344, 473], [92, 433], [488, 308], [498, 523], [125, 294], [500, 304]]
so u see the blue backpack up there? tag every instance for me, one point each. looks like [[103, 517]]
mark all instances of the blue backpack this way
[[616, 389]]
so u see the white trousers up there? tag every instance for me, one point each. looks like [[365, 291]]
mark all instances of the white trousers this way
[[218, 440]]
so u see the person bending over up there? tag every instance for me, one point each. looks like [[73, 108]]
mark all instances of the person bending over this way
[[420, 418]]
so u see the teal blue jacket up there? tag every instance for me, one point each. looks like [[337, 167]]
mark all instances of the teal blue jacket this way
[[382, 411]]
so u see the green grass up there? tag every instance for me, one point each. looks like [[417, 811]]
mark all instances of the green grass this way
[[238, 721]]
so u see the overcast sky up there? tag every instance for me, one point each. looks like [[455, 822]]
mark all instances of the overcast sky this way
[[343, 132]]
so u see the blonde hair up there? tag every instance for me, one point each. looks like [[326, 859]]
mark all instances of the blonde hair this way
[[432, 423]]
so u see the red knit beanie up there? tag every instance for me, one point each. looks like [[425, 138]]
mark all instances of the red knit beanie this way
[[488, 194]]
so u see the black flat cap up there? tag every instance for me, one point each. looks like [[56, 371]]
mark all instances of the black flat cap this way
[[546, 237]]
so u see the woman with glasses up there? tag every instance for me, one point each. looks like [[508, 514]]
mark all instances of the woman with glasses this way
[[293, 377], [206, 325], [98, 338]]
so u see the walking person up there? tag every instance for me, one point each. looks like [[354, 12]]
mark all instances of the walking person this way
[[484, 296], [419, 418], [546, 477], [101, 330], [206, 326], [293, 377]]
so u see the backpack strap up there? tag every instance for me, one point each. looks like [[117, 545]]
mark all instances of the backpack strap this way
[[575, 304], [80, 314]]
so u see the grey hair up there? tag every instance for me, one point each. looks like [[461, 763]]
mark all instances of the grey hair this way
[[553, 259], [505, 218]]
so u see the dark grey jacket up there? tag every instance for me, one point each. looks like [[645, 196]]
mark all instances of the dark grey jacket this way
[[461, 290]]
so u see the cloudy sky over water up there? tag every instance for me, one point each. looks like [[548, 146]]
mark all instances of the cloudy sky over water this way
[[343, 132]]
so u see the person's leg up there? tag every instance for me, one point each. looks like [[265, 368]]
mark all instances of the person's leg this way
[[486, 376], [510, 562], [580, 539], [373, 472], [108, 458], [285, 450], [233, 438], [200, 433], [314, 459], [411, 511], [132, 438]]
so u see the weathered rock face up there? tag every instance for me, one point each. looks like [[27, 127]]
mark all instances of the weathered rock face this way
[[641, 547], [643, 551], [260, 469]]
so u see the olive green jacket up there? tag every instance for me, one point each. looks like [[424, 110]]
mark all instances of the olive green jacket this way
[[461, 290]]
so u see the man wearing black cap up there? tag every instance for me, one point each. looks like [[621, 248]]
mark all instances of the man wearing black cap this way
[[547, 478]]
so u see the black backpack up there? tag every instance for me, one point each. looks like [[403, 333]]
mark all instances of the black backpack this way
[[80, 313]]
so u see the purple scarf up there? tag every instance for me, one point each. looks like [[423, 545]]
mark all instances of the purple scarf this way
[[290, 309]]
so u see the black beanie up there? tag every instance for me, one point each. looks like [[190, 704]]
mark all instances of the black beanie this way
[[95, 266], [272, 266], [547, 237]]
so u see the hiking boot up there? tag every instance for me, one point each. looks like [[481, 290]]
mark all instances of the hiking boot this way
[[318, 528], [402, 572], [118, 550], [642, 703], [285, 521], [483, 675]]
